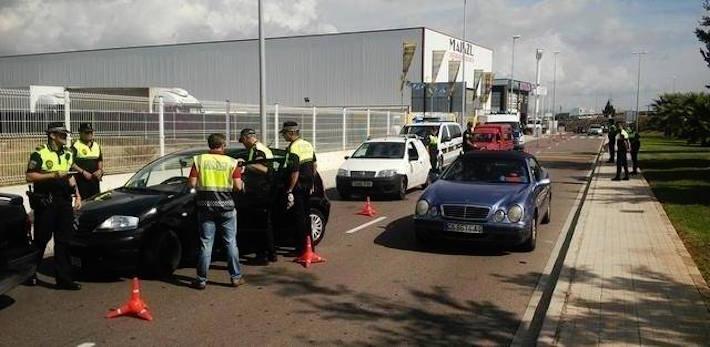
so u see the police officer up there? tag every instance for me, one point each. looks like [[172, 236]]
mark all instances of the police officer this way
[[611, 136], [635, 141], [259, 169], [88, 161], [432, 143], [216, 176], [468, 137], [622, 147], [301, 165], [51, 199]]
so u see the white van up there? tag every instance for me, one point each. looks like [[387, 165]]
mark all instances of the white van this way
[[450, 139]]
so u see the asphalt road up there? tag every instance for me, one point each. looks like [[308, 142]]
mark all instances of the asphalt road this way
[[378, 287]]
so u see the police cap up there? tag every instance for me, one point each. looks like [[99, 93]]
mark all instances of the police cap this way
[[56, 127], [289, 126], [86, 128], [245, 133]]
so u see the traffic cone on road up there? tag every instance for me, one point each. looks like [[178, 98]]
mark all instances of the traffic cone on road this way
[[309, 257], [135, 305], [368, 209]]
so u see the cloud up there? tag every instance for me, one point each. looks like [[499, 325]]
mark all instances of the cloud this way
[[595, 37]]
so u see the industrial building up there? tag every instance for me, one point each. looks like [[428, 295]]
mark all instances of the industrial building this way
[[373, 68]]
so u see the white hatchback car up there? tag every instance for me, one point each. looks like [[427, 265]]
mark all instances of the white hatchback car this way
[[387, 165]]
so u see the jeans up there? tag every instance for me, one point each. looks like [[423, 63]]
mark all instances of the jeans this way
[[210, 221]]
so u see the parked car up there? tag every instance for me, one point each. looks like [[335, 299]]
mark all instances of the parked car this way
[[450, 139], [595, 129], [18, 258], [388, 165], [493, 137], [494, 197], [150, 223]]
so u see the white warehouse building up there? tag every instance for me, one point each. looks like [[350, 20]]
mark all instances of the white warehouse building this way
[[373, 68]]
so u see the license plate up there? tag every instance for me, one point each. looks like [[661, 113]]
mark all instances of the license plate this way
[[362, 183], [75, 261], [465, 228]]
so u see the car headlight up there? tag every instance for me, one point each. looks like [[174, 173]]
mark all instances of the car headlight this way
[[386, 173], [422, 207], [119, 223], [515, 213], [343, 173], [499, 216]]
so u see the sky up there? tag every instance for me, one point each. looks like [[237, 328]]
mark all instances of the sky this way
[[595, 38]]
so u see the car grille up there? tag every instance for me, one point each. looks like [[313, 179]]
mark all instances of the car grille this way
[[362, 173], [464, 212]]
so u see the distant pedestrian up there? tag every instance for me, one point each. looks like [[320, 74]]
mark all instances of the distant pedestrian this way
[[216, 176], [611, 136], [635, 141], [622, 147]]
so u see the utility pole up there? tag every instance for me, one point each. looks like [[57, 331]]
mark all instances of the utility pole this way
[[262, 76], [512, 76], [538, 57], [463, 69], [638, 86], [554, 86]]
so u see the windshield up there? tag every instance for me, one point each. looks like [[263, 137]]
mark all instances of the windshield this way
[[168, 174], [483, 137], [420, 130], [487, 170], [380, 150]]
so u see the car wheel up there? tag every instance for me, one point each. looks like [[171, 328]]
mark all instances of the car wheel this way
[[402, 193], [530, 243], [162, 255], [548, 213], [317, 226]]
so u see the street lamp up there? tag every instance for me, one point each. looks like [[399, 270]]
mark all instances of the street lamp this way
[[512, 72], [638, 86], [463, 69], [538, 57], [262, 75], [554, 86]]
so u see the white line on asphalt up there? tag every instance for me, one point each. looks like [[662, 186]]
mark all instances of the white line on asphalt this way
[[356, 229]]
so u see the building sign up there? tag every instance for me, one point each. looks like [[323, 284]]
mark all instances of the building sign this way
[[460, 46]]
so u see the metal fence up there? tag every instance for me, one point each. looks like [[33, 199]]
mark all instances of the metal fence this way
[[131, 135]]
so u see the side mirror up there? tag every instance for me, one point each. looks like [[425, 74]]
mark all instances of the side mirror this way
[[543, 182], [347, 157]]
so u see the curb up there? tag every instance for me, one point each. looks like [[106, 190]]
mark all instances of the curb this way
[[532, 322]]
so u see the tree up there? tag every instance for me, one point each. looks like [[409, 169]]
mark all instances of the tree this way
[[609, 111], [703, 34], [685, 115]]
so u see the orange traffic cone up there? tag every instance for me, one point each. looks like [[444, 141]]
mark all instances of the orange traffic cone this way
[[135, 305], [368, 210], [309, 257]]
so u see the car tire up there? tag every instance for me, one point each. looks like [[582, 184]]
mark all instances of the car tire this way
[[402, 192], [162, 255], [317, 226], [530, 243], [548, 214]]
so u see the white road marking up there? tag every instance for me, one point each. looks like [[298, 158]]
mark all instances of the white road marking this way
[[86, 344], [356, 229]]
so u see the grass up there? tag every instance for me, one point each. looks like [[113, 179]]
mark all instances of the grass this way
[[679, 175]]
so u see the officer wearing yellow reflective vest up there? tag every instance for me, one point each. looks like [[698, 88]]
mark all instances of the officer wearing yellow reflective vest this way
[[51, 199], [432, 142], [300, 163], [88, 161], [216, 176], [258, 173]]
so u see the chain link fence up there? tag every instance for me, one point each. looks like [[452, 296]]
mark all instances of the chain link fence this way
[[135, 130]]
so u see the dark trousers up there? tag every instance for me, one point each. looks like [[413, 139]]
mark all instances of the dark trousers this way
[[87, 189], [300, 217], [434, 160], [621, 162], [612, 148], [57, 219], [635, 160]]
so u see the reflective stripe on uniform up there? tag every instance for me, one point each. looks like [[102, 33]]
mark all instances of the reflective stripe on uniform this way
[[85, 152], [53, 161]]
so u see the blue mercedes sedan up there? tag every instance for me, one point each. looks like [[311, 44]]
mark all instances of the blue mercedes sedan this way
[[492, 197]]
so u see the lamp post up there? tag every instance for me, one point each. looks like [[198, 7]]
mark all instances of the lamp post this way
[[463, 69], [538, 57], [638, 86], [554, 86], [262, 75], [512, 73]]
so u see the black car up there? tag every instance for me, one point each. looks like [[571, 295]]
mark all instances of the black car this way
[[18, 258], [150, 224]]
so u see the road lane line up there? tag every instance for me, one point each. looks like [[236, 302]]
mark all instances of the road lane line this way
[[356, 229]]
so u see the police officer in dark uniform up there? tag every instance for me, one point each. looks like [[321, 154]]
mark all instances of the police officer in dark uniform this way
[[51, 199], [611, 136], [468, 138], [301, 167], [622, 147], [635, 141], [258, 176], [432, 143], [88, 161]]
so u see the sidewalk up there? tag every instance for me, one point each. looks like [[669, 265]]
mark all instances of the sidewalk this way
[[627, 278]]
